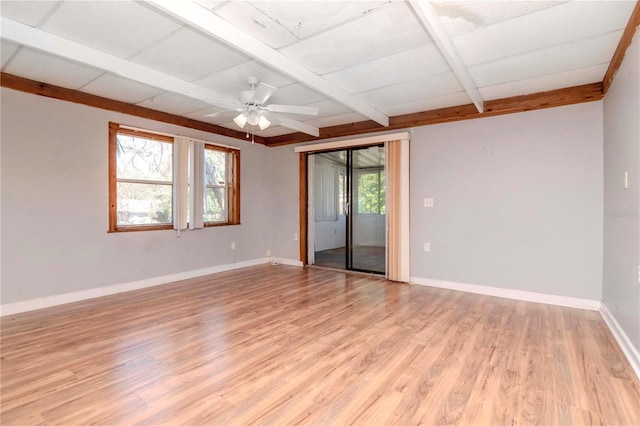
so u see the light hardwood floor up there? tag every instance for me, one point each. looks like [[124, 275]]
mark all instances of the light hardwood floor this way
[[286, 345]]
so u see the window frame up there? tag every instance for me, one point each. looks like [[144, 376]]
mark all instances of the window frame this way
[[114, 130], [232, 185]]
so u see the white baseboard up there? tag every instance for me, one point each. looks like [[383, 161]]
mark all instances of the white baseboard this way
[[283, 261], [630, 352], [550, 299], [60, 299]]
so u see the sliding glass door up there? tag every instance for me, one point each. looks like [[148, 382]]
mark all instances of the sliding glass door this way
[[349, 211]]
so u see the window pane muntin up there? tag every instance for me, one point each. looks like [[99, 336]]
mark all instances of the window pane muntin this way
[[144, 159], [144, 204]]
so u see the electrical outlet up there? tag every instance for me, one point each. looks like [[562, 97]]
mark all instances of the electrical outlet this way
[[268, 253], [295, 236], [427, 246], [428, 202], [233, 246]]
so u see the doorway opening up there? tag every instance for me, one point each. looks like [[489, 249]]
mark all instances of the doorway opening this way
[[348, 214]]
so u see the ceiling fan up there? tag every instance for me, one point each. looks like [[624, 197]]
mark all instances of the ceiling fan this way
[[254, 113]]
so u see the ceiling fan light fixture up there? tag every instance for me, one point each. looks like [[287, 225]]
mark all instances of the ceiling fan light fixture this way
[[253, 118], [240, 120], [263, 122]]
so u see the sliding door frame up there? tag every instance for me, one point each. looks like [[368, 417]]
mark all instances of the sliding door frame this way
[[304, 152]]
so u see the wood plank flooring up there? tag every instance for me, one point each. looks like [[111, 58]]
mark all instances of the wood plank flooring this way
[[283, 345]]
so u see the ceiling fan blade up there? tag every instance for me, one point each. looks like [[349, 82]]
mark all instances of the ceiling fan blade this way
[[292, 109], [263, 92], [297, 125], [226, 111]]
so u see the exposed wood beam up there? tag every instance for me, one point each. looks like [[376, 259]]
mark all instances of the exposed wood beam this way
[[41, 40], [623, 45], [200, 18], [48, 90], [429, 17], [549, 99]]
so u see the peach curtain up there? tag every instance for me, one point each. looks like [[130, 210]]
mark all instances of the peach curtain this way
[[397, 180]]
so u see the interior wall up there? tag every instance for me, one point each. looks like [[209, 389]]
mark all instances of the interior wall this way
[[621, 286], [517, 201], [331, 234], [284, 191], [55, 205]]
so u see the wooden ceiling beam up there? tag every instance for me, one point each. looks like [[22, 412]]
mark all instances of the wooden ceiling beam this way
[[623, 45], [56, 92], [548, 99]]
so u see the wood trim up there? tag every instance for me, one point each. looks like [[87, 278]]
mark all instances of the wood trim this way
[[541, 100], [623, 45], [56, 92], [303, 207], [113, 133], [233, 186], [143, 134], [141, 228]]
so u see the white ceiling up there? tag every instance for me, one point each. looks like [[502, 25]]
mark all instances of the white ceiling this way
[[373, 53]]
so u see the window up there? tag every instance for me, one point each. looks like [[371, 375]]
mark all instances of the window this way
[[222, 186], [143, 182], [371, 192]]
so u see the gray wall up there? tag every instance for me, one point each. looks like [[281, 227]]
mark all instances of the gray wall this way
[[622, 222], [284, 215], [55, 205], [517, 201]]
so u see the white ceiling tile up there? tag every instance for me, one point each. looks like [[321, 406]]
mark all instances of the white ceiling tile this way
[[121, 89], [549, 27], [328, 108], [27, 12], [245, 16], [210, 4], [445, 101], [279, 23], [7, 49], [336, 120], [385, 31], [459, 17], [295, 94], [121, 28], [578, 54], [51, 69], [174, 103], [232, 81], [429, 87], [188, 55], [546, 82], [412, 64]]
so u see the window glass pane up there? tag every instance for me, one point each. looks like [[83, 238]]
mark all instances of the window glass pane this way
[[143, 204], [140, 158], [368, 193], [215, 167], [215, 205]]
